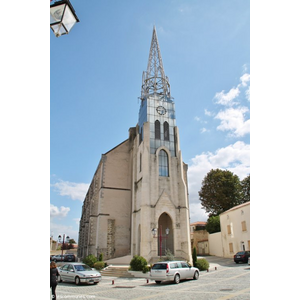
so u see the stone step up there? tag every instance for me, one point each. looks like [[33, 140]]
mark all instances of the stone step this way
[[114, 271]]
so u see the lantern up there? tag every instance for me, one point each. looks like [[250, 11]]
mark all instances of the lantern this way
[[62, 17]]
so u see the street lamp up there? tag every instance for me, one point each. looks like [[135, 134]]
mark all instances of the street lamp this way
[[160, 237], [63, 243], [62, 17]]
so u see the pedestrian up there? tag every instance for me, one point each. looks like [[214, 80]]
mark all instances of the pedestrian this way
[[53, 278]]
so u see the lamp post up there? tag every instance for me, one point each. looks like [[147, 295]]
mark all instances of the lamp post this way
[[160, 237], [63, 243], [62, 17]]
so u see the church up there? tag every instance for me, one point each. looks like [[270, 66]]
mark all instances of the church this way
[[137, 202]]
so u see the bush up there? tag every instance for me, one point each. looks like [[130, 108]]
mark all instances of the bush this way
[[146, 269], [99, 265], [101, 257], [169, 255], [90, 260], [202, 264], [138, 263]]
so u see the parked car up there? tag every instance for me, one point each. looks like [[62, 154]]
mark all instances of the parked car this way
[[241, 256], [69, 257], [78, 273], [58, 258], [173, 270]]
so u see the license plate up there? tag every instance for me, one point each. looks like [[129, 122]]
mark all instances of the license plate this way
[[91, 280], [238, 256]]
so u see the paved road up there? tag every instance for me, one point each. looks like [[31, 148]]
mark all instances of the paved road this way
[[228, 281]]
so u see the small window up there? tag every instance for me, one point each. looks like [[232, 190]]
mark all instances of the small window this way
[[140, 162], [231, 247], [163, 163], [184, 265], [157, 130], [244, 227], [166, 131], [228, 229]]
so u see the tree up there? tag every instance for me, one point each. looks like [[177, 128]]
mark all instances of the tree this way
[[213, 224], [220, 191], [245, 189], [194, 257]]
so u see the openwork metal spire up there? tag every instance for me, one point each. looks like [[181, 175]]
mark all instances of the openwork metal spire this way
[[154, 79]]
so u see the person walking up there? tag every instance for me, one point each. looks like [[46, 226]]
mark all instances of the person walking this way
[[53, 278]]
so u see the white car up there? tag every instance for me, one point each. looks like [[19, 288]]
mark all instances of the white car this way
[[173, 270], [78, 273]]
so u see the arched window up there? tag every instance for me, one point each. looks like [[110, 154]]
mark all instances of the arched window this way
[[166, 131], [163, 163], [157, 130]]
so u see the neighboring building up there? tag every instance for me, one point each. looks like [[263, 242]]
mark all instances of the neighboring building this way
[[139, 190], [235, 229], [199, 238]]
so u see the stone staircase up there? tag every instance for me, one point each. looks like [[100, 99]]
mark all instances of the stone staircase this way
[[116, 271]]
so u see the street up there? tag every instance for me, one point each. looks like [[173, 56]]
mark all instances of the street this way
[[225, 280]]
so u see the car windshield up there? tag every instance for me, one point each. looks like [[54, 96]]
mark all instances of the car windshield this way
[[82, 268], [159, 267], [241, 253]]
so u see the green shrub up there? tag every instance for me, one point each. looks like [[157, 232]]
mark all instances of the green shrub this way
[[169, 255], [146, 269], [101, 257], [202, 264], [138, 263], [90, 260], [99, 265]]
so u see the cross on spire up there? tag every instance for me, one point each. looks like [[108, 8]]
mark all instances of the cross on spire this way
[[154, 80]]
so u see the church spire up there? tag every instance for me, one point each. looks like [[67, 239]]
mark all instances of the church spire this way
[[154, 80]]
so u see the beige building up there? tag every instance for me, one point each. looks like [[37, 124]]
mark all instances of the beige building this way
[[137, 202], [199, 238], [235, 229]]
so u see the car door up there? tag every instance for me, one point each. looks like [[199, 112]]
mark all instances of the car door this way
[[71, 273], [185, 270], [64, 272]]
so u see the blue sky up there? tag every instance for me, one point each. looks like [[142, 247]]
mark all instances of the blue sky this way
[[95, 82]]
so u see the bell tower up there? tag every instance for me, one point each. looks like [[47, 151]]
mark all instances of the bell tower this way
[[160, 207]]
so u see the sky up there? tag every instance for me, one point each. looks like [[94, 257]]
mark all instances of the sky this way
[[95, 81]]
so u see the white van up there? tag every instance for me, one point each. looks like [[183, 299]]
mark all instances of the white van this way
[[173, 270]]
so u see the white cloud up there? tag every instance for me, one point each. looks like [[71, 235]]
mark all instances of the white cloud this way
[[227, 98], [208, 113], [235, 158], [75, 191], [245, 79], [233, 119], [197, 119], [60, 229], [56, 212]]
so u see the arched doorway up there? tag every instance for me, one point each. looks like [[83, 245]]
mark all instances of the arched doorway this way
[[165, 235]]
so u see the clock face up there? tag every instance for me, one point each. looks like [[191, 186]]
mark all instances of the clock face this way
[[161, 110]]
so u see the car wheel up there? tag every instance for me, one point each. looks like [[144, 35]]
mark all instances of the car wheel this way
[[77, 280], [177, 279], [157, 281], [196, 275]]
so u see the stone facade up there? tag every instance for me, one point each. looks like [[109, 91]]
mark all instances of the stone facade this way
[[140, 186]]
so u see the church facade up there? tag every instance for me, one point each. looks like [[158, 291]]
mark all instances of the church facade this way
[[137, 202]]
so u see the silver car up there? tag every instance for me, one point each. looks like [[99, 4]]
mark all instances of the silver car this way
[[173, 270], [78, 273]]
